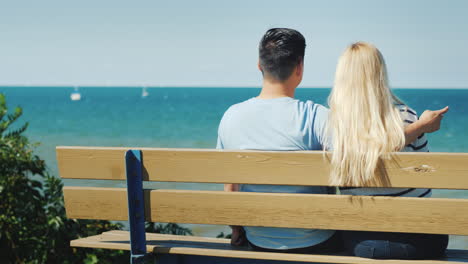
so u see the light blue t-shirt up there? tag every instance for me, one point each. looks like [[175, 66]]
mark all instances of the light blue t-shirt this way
[[282, 124]]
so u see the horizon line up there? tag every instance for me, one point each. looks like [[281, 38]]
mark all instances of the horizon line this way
[[198, 86]]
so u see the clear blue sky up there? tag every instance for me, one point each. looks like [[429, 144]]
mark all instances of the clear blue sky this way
[[214, 43]]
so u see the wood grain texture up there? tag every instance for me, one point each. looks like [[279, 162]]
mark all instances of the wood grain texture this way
[[424, 170], [337, 212], [189, 245], [96, 203]]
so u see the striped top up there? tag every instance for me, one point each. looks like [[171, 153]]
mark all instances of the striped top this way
[[408, 116]]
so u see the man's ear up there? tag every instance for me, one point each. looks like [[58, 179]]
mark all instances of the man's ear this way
[[260, 67], [300, 68]]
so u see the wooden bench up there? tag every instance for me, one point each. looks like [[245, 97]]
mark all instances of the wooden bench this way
[[336, 212]]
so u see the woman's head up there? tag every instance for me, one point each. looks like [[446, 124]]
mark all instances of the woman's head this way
[[365, 124]]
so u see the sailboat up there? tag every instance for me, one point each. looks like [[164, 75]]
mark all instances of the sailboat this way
[[75, 96], [144, 92]]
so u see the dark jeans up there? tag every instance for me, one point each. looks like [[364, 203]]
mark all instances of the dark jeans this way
[[333, 244], [380, 245]]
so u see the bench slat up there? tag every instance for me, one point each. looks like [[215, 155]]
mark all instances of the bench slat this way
[[340, 212], [423, 170], [96, 203], [188, 245]]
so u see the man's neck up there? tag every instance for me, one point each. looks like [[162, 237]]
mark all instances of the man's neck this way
[[275, 89]]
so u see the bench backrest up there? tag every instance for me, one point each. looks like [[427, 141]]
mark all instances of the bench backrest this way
[[309, 168]]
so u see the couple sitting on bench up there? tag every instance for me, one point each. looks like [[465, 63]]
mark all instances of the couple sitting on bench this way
[[366, 122]]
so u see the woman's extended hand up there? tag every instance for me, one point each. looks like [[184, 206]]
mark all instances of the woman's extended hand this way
[[430, 120]]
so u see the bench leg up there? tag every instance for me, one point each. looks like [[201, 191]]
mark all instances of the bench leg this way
[[136, 207]]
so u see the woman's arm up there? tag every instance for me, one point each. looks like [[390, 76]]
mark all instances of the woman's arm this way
[[428, 122]]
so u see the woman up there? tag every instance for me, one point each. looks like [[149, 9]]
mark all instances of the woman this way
[[367, 123]]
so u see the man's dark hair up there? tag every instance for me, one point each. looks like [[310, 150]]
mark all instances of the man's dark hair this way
[[280, 51]]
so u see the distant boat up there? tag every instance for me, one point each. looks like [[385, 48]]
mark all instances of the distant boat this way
[[144, 92], [75, 96]]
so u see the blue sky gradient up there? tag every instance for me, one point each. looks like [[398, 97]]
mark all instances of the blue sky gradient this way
[[214, 43]]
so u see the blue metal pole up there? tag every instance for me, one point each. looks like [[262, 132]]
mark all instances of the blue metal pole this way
[[136, 205]]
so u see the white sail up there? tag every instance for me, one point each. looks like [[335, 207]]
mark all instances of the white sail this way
[[75, 96], [144, 92]]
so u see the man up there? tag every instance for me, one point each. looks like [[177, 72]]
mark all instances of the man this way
[[274, 120]]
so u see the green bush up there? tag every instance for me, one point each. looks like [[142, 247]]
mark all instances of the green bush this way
[[23, 219], [33, 225], [170, 228]]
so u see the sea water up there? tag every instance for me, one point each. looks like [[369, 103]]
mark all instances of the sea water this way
[[186, 117]]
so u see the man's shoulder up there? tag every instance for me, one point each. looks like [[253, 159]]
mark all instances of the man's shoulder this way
[[315, 107], [305, 106], [238, 107]]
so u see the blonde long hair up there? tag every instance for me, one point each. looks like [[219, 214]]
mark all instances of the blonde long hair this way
[[365, 125]]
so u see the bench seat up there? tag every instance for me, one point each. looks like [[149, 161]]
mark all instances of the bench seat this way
[[213, 249]]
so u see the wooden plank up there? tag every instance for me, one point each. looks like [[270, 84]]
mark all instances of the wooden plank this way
[[96, 203], [337, 212], [172, 238], [199, 246], [424, 170]]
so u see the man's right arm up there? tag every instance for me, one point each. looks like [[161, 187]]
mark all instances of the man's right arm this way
[[227, 187], [238, 234], [231, 187]]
